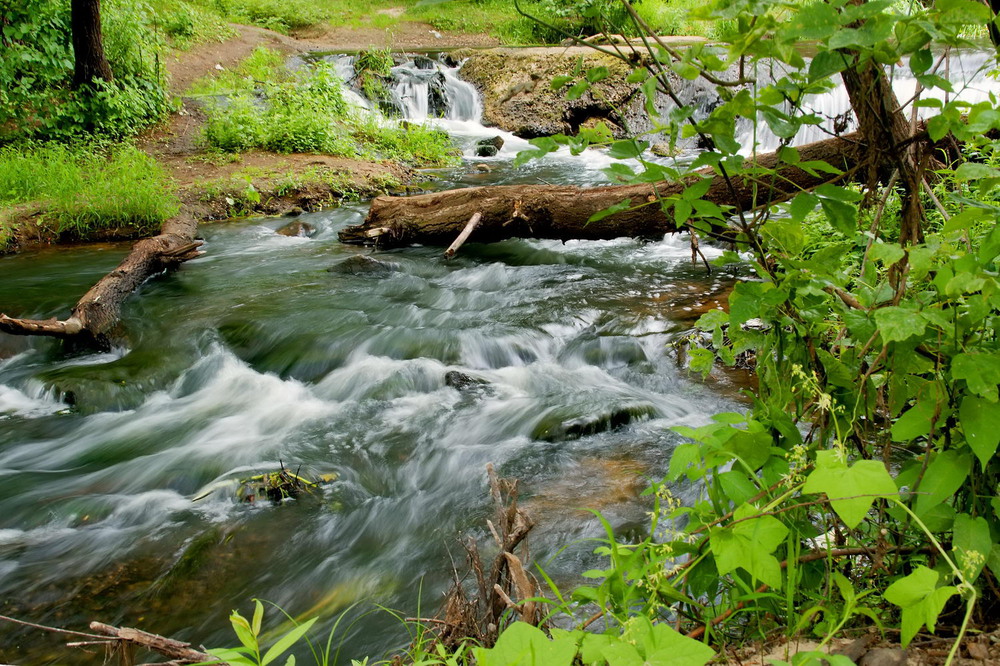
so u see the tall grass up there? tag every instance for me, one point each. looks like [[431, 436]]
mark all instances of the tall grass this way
[[87, 188]]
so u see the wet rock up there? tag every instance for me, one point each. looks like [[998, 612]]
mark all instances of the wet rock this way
[[438, 103], [451, 60], [483, 168], [485, 151], [556, 427], [496, 142], [461, 381], [363, 265], [297, 228], [422, 62]]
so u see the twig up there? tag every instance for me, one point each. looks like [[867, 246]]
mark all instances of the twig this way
[[464, 236], [56, 630]]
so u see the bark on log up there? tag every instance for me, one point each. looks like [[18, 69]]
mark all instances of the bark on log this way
[[95, 317], [562, 212]]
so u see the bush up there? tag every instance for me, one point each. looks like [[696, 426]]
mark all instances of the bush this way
[[35, 98]]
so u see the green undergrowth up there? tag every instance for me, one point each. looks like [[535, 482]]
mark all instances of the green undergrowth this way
[[303, 112], [86, 189], [36, 99]]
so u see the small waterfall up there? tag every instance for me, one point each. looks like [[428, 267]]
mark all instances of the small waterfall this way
[[419, 88]]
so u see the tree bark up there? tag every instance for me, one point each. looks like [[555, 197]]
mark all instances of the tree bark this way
[[562, 212], [88, 43], [94, 319]]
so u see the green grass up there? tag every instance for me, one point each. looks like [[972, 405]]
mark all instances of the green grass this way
[[86, 188], [263, 65], [304, 112]]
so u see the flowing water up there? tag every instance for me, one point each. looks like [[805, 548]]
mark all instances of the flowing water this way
[[331, 359]]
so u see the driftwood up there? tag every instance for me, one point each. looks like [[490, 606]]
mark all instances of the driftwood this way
[[501, 592], [562, 212], [95, 316], [178, 651]]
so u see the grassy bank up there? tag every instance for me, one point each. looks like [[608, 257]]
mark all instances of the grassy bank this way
[[84, 190]]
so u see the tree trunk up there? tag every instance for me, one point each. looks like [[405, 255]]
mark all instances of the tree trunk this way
[[94, 319], [562, 212], [88, 44]]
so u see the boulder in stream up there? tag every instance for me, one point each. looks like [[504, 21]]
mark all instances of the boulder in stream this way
[[461, 381], [297, 228], [361, 264], [438, 103], [489, 147], [422, 62]]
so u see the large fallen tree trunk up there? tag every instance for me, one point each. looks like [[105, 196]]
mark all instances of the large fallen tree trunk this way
[[562, 212], [94, 319]]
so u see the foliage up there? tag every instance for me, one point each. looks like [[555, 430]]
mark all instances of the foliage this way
[[283, 16], [248, 633], [86, 188], [35, 97], [867, 463], [306, 112]]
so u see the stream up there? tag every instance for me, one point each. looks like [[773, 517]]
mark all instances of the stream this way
[[273, 350]]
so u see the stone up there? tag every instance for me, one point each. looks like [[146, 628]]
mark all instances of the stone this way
[[483, 168], [496, 141], [422, 62], [297, 228], [461, 381], [486, 151], [361, 264]]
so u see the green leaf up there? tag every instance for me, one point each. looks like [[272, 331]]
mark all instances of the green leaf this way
[[981, 371], [921, 600], [748, 544], [243, 631], [627, 149], [945, 474], [980, 421], [887, 253], [972, 544], [916, 421], [232, 657], [559, 81], [596, 74], [852, 490], [896, 324], [258, 617], [577, 89], [287, 641], [522, 644]]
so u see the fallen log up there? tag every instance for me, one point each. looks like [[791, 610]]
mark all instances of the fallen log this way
[[95, 317], [562, 212]]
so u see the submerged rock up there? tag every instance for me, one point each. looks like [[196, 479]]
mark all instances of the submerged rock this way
[[361, 264], [297, 228], [483, 168], [556, 427], [461, 381]]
